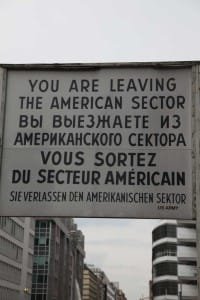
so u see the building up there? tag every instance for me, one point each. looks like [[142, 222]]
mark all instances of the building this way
[[97, 286], [174, 261], [58, 260], [77, 259], [16, 257], [120, 295], [108, 287], [93, 287]]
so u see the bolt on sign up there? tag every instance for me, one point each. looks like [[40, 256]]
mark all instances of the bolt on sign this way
[[97, 141]]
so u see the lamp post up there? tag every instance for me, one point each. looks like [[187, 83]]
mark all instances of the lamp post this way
[[180, 291]]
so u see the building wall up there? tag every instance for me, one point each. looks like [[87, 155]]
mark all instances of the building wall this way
[[16, 257]]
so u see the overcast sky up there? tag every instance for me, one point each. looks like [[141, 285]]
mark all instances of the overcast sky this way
[[121, 248], [63, 31], [106, 30]]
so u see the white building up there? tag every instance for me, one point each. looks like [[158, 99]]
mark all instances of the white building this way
[[174, 261]]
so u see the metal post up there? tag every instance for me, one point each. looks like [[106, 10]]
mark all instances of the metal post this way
[[180, 291]]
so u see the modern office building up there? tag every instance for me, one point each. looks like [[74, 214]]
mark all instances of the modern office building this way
[[16, 257], [174, 261], [58, 260]]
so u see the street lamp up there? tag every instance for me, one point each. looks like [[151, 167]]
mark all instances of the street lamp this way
[[180, 291]]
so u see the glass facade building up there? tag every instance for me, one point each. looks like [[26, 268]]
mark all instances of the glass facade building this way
[[41, 260], [58, 259]]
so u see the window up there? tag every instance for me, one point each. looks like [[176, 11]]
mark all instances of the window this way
[[31, 241], [10, 250], [165, 288], [8, 225], [10, 273], [6, 293], [167, 230], [30, 261], [40, 260], [165, 249], [165, 268], [42, 240]]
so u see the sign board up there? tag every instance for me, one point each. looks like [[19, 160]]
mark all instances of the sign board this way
[[99, 142]]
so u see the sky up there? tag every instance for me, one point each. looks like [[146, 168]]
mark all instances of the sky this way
[[122, 249], [66, 31], [98, 31]]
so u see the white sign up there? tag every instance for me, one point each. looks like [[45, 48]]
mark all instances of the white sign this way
[[110, 142]]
